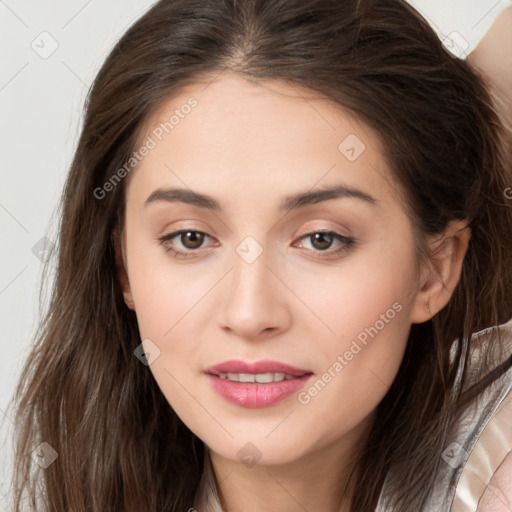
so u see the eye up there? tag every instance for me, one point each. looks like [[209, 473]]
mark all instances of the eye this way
[[321, 241], [190, 239]]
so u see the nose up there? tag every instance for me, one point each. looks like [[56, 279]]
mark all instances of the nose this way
[[254, 300]]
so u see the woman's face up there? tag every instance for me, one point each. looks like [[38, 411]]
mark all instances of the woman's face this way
[[255, 280]]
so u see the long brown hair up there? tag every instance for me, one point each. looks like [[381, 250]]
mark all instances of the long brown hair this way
[[120, 445]]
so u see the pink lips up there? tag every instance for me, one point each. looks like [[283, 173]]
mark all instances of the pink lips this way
[[255, 394]]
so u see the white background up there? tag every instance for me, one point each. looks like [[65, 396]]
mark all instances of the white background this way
[[41, 102]]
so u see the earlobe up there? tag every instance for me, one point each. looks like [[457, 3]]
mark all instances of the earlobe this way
[[121, 269], [442, 272]]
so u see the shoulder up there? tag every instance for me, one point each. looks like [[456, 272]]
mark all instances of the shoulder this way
[[484, 434]]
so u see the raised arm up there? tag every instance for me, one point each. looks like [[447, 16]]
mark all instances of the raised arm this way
[[493, 57]]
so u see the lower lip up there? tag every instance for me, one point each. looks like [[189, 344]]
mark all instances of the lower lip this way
[[255, 394]]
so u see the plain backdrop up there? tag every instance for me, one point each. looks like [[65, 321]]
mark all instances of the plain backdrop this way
[[50, 53]]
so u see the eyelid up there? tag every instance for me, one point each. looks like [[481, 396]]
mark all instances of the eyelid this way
[[347, 242], [180, 231]]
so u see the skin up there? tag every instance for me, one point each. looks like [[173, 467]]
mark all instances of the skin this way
[[249, 145], [497, 495], [493, 58]]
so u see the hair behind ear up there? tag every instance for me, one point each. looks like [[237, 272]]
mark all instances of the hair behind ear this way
[[122, 274]]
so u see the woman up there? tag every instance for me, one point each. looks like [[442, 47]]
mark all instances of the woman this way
[[285, 237]]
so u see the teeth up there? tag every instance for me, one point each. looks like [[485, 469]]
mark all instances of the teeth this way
[[262, 378]]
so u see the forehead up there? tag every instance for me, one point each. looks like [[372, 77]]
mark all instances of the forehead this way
[[262, 108], [258, 137]]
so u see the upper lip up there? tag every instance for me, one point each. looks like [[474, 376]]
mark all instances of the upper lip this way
[[238, 366]]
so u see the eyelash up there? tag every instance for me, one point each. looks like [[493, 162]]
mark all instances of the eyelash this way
[[347, 242]]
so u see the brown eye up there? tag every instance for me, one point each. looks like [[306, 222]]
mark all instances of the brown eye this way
[[184, 243], [321, 240], [192, 239]]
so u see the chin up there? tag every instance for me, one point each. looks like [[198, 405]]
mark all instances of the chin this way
[[250, 450]]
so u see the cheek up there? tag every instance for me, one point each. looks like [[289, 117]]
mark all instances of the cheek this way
[[367, 307], [359, 366], [168, 304], [166, 294], [359, 293]]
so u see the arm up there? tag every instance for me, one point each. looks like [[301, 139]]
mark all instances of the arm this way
[[493, 58]]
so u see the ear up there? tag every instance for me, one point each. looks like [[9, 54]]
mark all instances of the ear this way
[[442, 271], [121, 268]]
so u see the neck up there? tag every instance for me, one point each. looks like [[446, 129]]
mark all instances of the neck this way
[[319, 480]]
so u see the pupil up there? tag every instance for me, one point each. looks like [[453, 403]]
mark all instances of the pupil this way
[[319, 237], [196, 238]]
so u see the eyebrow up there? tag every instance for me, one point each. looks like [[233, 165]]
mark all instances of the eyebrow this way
[[293, 202]]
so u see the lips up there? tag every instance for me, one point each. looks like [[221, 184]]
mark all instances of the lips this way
[[259, 367], [275, 382]]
